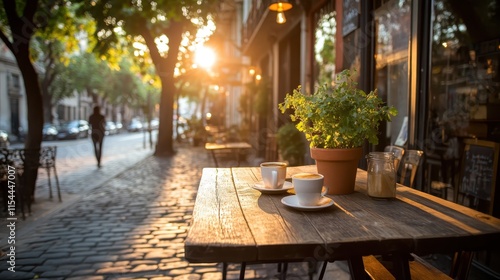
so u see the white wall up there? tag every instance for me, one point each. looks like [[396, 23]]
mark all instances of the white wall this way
[[8, 67]]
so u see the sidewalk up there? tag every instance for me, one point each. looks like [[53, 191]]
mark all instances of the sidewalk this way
[[130, 227], [74, 170]]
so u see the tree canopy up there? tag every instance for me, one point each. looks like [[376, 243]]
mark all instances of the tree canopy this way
[[161, 26]]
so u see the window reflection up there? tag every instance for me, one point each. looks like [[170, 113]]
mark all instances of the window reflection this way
[[324, 46], [464, 72], [392, 27], [464, 87]]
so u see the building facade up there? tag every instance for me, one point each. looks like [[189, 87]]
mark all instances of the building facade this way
[[13, 109], [436, 61]]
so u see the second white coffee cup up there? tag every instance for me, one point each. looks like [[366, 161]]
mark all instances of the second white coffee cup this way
[[273, 174], [309, 188]]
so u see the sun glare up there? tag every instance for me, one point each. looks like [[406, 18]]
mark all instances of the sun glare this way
[[205, 57]]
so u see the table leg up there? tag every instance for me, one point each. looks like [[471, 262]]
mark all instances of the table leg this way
[[401, 266], [357, 268], [322, 272], [224, 270], [242, 270], [238, 157], [461, 265], [283, 273], [214, 157]]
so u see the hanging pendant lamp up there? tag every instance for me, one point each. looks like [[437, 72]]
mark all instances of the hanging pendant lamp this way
[[280, 7]]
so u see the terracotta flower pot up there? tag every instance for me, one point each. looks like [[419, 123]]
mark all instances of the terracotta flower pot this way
[[339, 166]]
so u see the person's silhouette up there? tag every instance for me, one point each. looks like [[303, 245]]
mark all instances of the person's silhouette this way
[[98, 123]]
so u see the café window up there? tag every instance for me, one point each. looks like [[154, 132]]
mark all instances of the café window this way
[[464, 92], [392, 34], [324, 45], [464, 84]]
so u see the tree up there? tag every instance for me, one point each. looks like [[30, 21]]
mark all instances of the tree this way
[[162, 25], [193, 84], [19, 21], [82, 75], [53, 47]]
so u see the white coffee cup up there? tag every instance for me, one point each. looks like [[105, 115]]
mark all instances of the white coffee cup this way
[[309, 188], [273, 174]]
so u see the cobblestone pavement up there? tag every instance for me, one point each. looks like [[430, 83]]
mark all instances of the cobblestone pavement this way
[[74, 168], [132, 226]]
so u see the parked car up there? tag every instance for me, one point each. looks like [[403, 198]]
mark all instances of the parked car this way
[[134, 126], [49, 132], [4, 139], [110, 128], [119, 127], [155, 124], [74, 130]]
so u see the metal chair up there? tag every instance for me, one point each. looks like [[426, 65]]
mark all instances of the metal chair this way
[[48, 162], [10, 184], [411, 161], [398, 154]]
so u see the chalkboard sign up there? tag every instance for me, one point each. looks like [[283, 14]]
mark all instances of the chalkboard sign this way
[[479, 169]]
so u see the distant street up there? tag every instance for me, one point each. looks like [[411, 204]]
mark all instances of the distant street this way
[[76, 157]]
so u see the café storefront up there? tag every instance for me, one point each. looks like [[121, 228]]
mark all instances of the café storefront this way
[[436, 61]]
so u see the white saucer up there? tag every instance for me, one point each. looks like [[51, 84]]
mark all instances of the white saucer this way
[[293, 202], [260, 187]]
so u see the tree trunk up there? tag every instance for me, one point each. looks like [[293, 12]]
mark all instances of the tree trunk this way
[[165, 70], [177, 113], [35, 124], [22, 29], [47, 105], [164, 145]]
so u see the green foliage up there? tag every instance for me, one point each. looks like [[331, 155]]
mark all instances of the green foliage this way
[[258, 95], [149, 19], [196, 130], [291, 144], [324, 48], [338, 116], [157, 30]]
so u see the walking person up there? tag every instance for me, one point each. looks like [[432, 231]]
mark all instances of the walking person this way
[[98, 123]]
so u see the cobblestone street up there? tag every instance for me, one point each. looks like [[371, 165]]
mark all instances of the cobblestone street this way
[[132, 226]]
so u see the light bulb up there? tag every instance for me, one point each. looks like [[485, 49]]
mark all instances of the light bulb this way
[[280, 18]]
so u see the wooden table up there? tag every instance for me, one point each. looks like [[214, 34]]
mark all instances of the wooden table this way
[[232, 222], [233, 147]]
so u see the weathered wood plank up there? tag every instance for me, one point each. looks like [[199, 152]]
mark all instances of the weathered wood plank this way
[[419, 270], [219, 231], [282, 234]]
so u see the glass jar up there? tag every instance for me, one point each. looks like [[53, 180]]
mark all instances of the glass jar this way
[[381, 175]]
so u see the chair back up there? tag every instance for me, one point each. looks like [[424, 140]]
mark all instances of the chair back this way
[[48, 156], [4, 163], [411, 161], [398, 154]]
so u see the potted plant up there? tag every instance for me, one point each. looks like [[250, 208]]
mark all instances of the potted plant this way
[[337, 120], [291, 144], [197, 131]]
